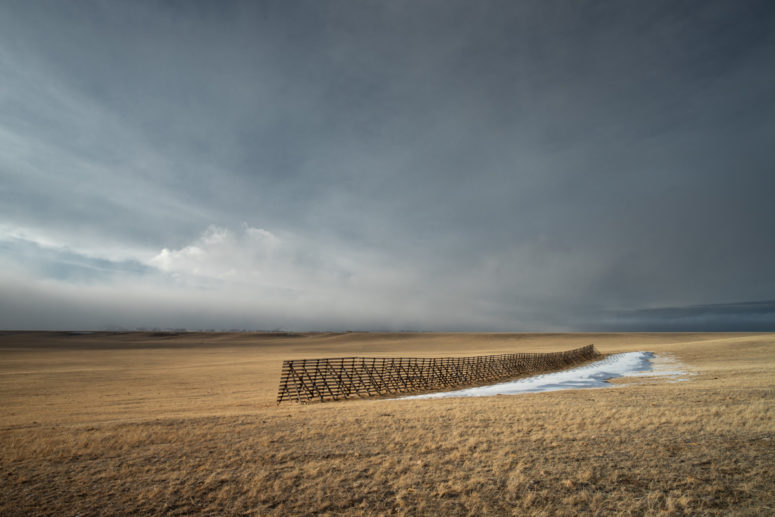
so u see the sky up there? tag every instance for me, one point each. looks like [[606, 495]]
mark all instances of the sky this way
[[406, 165]]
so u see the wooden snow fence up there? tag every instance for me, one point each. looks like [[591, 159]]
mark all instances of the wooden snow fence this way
[[307, 380]]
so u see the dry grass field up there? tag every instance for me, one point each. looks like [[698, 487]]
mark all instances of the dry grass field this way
[[141, 423]]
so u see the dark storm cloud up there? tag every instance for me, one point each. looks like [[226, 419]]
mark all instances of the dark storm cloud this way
[[503, 165], [729, 317]]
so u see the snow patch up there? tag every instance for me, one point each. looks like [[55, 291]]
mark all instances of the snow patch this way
[[593, 375]]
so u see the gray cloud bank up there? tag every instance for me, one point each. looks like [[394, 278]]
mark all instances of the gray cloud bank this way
[[727, 317], [405, 165]]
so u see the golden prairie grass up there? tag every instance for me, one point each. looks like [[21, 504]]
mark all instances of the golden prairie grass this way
[[135, 423]]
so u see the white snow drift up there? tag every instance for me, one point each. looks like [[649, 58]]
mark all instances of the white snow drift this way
[[593, 375]]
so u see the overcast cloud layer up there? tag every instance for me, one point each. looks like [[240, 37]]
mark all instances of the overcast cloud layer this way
[[530, 165]]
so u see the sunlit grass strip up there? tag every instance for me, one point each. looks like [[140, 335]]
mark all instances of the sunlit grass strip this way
[[307, 380]]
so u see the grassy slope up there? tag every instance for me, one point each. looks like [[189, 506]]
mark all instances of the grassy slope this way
[[107, 423]]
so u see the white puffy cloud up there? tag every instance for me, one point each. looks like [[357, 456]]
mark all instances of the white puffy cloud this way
[[248, 254]]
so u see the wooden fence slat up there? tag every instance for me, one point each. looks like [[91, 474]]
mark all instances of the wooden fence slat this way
[[341, 378]]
